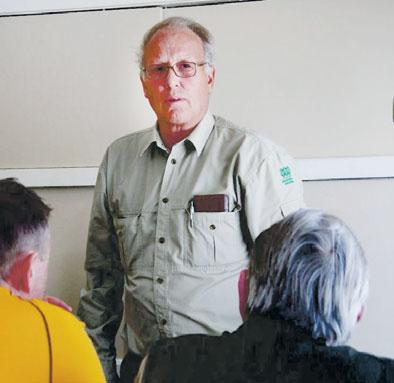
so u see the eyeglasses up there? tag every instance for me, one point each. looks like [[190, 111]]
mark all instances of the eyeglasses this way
[[181, 69]]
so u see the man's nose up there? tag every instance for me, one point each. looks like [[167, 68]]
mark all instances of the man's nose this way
[[172, 78]]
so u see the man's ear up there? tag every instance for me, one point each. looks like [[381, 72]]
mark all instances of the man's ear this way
[[211, 78], [143, 85], [360, 314], [20, 273]]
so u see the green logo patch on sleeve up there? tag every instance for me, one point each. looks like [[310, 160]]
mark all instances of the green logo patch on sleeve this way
[[287, 178]]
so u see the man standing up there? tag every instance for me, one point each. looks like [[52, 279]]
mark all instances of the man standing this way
[[177, 206], [39, 341]]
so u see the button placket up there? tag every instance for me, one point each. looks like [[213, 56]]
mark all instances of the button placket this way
[[163, 241]]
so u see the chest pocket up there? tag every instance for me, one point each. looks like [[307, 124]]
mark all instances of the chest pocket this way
[[215, 239], [135, 232]]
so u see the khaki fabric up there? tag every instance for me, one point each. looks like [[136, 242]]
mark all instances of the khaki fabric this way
[[179, 269]]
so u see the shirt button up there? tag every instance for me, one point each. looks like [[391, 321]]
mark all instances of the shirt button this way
[[159, 280], [165, 200], [163, 322], [212, 227], [173, 161], [162, 239]]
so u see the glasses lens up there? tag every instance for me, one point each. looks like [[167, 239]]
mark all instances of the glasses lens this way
[[185, 69], [156, 71], [181, 69]]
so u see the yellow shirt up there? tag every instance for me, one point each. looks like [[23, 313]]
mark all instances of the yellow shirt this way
[[41, 343]]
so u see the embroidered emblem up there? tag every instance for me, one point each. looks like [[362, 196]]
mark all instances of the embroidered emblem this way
[[287, 178]]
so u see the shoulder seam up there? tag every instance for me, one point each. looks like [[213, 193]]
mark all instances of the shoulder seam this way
[[48, 339], [258, 139], [130, 135]]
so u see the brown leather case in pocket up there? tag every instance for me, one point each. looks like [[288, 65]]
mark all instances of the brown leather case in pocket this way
[[211, 203]]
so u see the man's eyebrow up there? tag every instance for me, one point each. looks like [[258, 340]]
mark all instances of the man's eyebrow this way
[[161, 63]]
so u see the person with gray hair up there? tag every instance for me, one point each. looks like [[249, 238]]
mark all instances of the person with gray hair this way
[[175, 210], [40, 342], [308, 283], [314, 261]]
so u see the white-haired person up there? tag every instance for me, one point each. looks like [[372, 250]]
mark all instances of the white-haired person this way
[[39, 341], [308, 286]]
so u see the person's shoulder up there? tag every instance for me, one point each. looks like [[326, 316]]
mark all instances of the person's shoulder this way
[[250, 138], [131, 138], [230, 128], [371, 365], [360, 366], [352, 354], [71, 349], [54, 314]]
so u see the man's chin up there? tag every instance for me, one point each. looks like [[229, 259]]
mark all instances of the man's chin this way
[[178, 118], [183, 120]]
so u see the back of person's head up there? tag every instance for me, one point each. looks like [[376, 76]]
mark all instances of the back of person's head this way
[[309, 268], [23, 223]]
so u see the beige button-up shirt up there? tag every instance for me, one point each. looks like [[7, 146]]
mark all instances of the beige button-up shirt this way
[[179, 269]]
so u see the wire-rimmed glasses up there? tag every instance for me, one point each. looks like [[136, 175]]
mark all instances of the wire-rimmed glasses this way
[[182, 69]]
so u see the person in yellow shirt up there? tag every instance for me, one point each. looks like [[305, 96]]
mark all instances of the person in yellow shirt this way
[[39, 341]]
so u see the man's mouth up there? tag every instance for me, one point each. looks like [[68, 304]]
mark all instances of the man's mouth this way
[[172, 100]]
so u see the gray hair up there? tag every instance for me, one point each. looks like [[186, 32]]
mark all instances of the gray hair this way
[[36, 240], [180, 22], [310, 268]]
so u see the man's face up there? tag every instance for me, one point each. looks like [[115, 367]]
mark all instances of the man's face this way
[[177, 101]]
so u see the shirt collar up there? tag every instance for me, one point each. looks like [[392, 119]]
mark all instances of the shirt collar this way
[[198, 137], [152, 136]]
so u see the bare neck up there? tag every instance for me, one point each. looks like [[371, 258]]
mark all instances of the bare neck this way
[[14, 291], [171, 135]]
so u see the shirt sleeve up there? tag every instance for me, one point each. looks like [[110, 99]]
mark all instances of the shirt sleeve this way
[[101, 306], [272, 190]]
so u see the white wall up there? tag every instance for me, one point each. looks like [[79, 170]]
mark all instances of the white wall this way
[[70, 84]]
